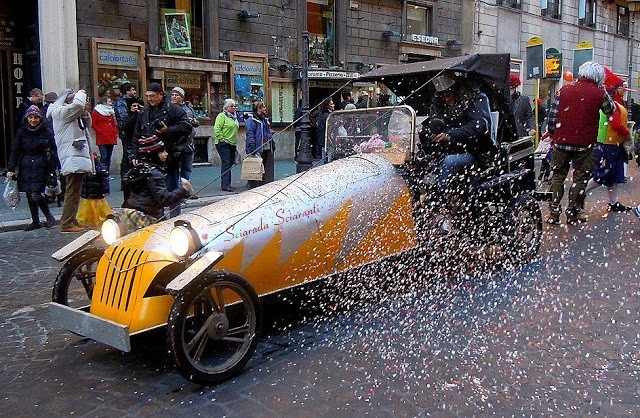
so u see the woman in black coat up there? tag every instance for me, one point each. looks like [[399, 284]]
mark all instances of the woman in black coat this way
[[34, 155]]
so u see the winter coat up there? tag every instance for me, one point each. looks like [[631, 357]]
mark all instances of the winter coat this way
[[575, 114], [29, 157], [104, 125], [176, 120], [525, 119], [363, 102], [149, 192], [96, 186], [68, 126], [225, 129], [613, 129], [258, 134], [321, 121], [186, 145], [468, 122], [121, 111]]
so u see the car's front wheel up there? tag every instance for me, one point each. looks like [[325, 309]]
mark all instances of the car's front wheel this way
[[74, 284], [213, 327]]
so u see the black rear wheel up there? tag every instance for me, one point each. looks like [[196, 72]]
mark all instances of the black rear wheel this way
[[213, 327], [74, 284]]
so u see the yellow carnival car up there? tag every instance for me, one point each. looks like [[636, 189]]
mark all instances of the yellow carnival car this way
[[201, 275]]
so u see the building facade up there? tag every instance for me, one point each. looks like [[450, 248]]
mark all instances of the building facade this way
[[569, 32], [251, 50]]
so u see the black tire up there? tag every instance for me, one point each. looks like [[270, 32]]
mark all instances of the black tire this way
[[523, 231], [209, 341], [81, 267]]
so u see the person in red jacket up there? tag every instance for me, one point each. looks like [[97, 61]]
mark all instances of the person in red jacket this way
[[573, 125], [106, 128]]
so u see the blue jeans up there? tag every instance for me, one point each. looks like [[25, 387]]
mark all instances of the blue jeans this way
[[173, 182], [227, 154], [186, 165], [453, 163], [106, 151]]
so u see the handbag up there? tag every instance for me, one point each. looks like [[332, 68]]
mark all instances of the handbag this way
[[252, 168], [11, 194]]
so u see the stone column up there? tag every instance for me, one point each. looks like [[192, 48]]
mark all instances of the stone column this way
[[58, 32]]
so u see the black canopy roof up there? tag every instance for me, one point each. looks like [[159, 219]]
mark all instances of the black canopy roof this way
[[488, 72], [402, 79]]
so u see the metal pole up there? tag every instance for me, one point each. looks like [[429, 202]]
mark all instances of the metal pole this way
[[536, 97], [631, 27], [304, 158]]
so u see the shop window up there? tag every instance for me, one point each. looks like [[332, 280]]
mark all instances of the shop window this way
[[248, 79], [283, 101], [587, 13], [622, 28], [551, 9], [320, 25], [195, 89], [117, 62], [181, 27], [419, 21]]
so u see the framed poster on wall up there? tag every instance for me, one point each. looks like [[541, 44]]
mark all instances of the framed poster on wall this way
[[176, 26], [249, 79]]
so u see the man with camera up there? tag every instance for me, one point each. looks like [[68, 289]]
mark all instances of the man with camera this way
[[170, 123]]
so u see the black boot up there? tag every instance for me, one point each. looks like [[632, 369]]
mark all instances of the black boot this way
[[44, 207], [33, 208]]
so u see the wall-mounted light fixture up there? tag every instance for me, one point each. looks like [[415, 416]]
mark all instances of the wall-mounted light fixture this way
[[391, 33], [248, 14]]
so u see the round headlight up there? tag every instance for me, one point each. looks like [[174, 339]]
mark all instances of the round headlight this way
[[181, 241], [110, 231]]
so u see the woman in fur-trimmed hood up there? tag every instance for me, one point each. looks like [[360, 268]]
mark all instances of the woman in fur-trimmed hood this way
[[70, 121]]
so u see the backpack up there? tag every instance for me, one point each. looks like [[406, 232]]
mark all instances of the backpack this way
[[137, 174]]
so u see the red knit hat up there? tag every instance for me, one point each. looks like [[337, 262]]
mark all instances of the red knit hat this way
[[514, 80], [150, 144], [611, 81]]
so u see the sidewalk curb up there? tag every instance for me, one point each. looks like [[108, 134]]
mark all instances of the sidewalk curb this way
[[20, 224]]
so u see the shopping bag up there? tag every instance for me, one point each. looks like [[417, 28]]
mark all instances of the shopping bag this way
[[53, 189], [11, 194], [92, 212], [252, 168]]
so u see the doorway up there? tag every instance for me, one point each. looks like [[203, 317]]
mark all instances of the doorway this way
[[7, 126]]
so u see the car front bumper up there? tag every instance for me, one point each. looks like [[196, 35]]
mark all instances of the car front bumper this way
[[90, 326]]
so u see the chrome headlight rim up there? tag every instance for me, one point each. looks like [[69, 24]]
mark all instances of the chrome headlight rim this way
[[183, 240], [111, 230]]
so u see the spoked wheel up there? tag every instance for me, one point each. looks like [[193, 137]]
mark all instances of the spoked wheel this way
[[74, 284], [213, 327], [523, 232]]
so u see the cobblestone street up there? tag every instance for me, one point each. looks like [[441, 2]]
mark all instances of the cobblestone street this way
[[556, 337]]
